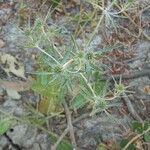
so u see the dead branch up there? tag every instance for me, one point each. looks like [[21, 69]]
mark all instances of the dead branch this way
[[133, 75], [70, 126], [54, 147], [131, 108]]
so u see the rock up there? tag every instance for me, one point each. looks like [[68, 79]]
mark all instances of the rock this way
[[23, 135], [140, 84], [79, 41], [3, 142], [1, 91], [96, 41], [99, 129], [142, 50], [141, 97], [13, 36], [13, 94], [10, 105], [93, 45], [27, 137], [44, 141], [36, 146], [13, 107], [2, 43]]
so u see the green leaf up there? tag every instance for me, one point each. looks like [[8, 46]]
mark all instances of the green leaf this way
[[64, 144], [124, 142], [147, 137], [38, 24], [42, 86], [101, 148], [66, 56], [50, 93], [56, 3], [5, 124], [99, 86], [79, 101], [139, 127]]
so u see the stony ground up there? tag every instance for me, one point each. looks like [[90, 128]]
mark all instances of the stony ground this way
[[133, 60]]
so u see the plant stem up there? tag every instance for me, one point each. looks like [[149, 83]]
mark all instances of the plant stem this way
[[67, 63], [88, 84], [95, 31], [40, 49]]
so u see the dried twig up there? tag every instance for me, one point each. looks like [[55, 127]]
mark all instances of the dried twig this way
[[67, 130], [16, 85], [135, 138], [54, 147], [135, 24], [83, 116], [70, 126], [133, 75], [131, 109]]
